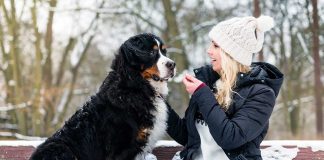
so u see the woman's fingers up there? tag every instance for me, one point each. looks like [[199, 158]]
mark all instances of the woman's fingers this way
[[191, 83], [185, 81], [188, 77], [191, 78]]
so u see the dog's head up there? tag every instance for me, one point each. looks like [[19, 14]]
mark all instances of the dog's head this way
[[145, 54]]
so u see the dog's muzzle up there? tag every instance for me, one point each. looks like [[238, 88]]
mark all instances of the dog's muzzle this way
[[171, 69]]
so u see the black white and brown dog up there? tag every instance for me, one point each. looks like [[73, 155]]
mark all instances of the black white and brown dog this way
[[127, 115]]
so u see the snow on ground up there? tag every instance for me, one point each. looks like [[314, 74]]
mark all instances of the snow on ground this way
[[275, 151], [165, 143], [20, 143], [316, 145]]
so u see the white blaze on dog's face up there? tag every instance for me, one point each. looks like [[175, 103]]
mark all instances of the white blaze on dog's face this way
[[165, 65], [159, 73]]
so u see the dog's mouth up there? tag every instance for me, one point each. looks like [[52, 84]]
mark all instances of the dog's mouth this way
[[163, 79]]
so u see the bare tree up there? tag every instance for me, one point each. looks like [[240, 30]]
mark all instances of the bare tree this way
[[292, 59], [317, 70], [40, 100], [179, 98], [257, 13], [13, 71]]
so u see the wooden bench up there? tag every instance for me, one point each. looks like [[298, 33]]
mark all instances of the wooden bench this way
[[281, 150]]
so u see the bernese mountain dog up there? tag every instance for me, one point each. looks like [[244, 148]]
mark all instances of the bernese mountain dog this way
[[127, 115]]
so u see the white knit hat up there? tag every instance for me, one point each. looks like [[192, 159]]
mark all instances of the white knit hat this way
[[241, 37]]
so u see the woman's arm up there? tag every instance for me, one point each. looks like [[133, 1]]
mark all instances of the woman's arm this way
[[177, 127], [245, 125]]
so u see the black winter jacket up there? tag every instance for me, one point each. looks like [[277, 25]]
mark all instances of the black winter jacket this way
[[239, 130]]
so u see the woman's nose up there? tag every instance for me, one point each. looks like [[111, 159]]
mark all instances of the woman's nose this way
[[209, 51]]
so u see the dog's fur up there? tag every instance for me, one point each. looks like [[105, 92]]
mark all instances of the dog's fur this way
[[127, 115]]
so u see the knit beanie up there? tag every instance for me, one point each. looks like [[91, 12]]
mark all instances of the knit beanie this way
[[241, 37]]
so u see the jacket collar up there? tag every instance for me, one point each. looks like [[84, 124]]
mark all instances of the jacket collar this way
[[207, 75], [261, 72]]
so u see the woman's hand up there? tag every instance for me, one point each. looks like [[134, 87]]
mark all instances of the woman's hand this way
[[191, 83]]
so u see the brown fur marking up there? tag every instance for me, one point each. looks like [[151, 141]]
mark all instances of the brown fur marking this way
[[142, 135], [150, 71]]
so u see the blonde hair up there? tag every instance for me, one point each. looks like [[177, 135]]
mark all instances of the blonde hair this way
[[228, 73]]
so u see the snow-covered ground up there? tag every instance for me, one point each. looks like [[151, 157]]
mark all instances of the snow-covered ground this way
[[20, 143], [274, 148]]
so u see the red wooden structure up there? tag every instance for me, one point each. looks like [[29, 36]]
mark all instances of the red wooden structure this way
[[300, 150]]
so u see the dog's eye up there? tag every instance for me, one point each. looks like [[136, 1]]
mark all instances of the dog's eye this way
[[164, 51], [154, 52]]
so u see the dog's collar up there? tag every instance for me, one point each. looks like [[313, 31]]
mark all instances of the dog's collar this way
[[160, 96], [157, 78]]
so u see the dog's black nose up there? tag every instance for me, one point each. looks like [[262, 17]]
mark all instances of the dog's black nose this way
[[170, 64]]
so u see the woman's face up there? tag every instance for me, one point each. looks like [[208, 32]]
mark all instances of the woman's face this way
[[214, 54]]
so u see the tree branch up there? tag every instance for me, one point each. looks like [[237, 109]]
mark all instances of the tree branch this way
[[178, 6], [66, 52], [10, 107], [75, 69], [47, 69], [148, 21], [22, 10], [5, 11], [3, 50], [114, 12], [129, 12], [308, 13]]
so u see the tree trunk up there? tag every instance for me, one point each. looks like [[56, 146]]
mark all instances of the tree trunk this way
[[180, 98], [14, 63], [285, 94], [257, 13], [317, 70], [295, 81], [36, 115], [47, 76]]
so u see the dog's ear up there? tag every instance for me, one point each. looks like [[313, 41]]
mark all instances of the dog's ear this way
[[139, 52]]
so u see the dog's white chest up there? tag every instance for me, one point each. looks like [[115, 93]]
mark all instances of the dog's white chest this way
[[159, 128], [160, 123]]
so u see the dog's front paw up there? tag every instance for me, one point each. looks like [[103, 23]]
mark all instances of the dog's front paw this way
[[150, 156], [145, 156]]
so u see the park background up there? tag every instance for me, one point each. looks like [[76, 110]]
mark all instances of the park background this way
[[54, 54]]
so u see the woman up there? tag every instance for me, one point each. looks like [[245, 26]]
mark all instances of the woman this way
[[232, 99]]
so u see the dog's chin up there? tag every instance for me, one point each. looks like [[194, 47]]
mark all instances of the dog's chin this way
[[166, 78], [170, 75]]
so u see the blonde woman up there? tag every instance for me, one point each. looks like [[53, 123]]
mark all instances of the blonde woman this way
[[232, 99]]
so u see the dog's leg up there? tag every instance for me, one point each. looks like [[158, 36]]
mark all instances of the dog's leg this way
[[145, 156], [53, 151]]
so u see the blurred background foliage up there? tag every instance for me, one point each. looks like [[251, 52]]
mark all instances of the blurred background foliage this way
[[54, 54]]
